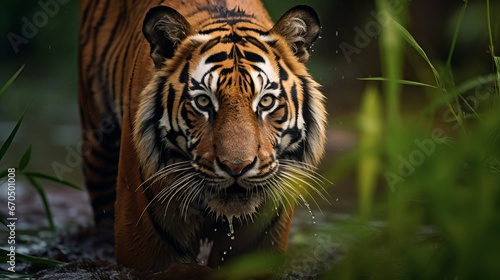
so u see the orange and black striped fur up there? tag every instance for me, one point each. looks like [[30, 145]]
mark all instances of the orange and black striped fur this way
[[197, 118]]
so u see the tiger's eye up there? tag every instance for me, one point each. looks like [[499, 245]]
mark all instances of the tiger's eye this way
[[203, 101], [267, 101]]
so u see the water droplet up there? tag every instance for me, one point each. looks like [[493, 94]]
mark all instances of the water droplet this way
[[337, 199], [222, 259], [308, 208], [230, 247], [272, 243], [230, 221], [224, 253], [337, 33], [232, 237], [215, 229]]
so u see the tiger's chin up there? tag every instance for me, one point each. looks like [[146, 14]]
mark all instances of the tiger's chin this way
[[235, 201]]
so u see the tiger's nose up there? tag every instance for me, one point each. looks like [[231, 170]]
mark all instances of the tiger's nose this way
[[237, 167]]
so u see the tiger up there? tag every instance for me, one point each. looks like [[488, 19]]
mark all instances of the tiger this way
[[202, 127]]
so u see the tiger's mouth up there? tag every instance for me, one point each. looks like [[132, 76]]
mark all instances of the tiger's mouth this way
[[234, 200]]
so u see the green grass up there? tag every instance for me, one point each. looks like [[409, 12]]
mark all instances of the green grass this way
[[32, 178], [441, 209]]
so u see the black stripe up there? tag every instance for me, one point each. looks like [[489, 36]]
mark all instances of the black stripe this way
[[179, 248], [102, 200], [218, 57], [208, 31], [95, 33], [295, 134], [123, 77], [158, 113], [208, 45], [257, 43], [184, 76], [89, 10], [103, 211], [100, 186], [172, 137], [231, 21], [306, 110], [232, 38], [170, 104], [253, 57], [296, 154], [104, 79], [295, 100], [111, 169], [209, 168], [253, 29], [256, 68], [283, 73], [111, 141], [272, 85], [152, 122], [285, 115]]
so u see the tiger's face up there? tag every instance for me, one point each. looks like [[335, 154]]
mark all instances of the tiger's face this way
[[231, 114]]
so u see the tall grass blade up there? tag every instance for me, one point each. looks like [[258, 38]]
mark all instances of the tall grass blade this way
[[28, 258], [402, 82], [455, 35], [439, 82], [370, 123], [391, 52], [475, 83], [9, 140], [41, 192], [490, 32], [413, 43], [53, 179], [496, 59], [25, 159], [10, 81], [497, 64]]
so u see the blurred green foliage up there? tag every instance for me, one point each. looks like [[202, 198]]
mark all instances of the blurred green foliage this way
[[437, 172], [439, 198]]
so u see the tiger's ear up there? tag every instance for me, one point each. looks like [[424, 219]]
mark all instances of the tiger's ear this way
[[165, 29], [300, 27]]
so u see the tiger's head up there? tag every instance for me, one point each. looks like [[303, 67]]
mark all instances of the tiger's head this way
[[231, 114]]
